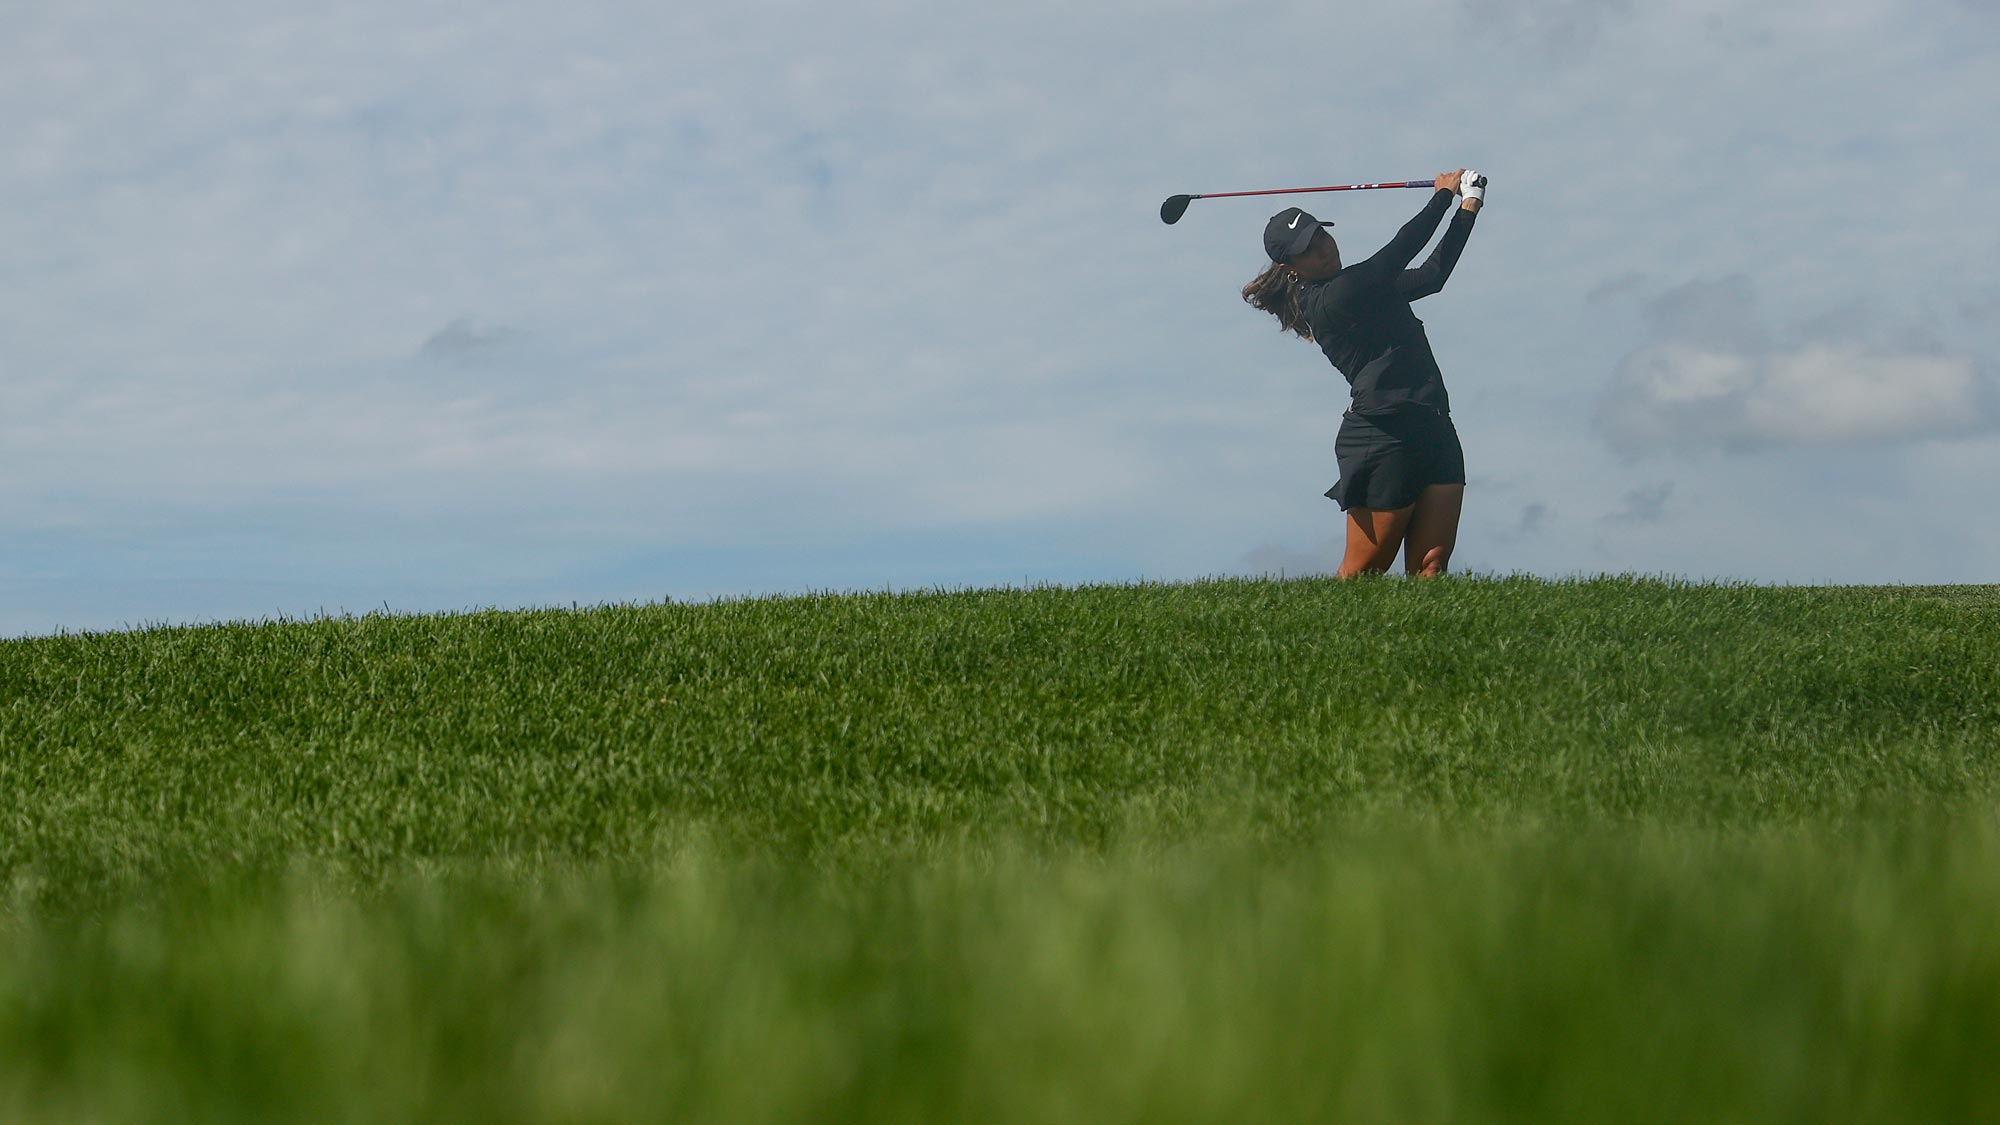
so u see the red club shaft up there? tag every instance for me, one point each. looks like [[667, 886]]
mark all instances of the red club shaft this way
[[1302, 190], [1176, 205]]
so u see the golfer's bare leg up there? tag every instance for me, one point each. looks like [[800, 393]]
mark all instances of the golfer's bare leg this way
[[1373, 535], [1433, 530]]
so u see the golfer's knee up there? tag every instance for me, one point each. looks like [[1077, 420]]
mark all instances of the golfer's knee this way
[[1434, 561]]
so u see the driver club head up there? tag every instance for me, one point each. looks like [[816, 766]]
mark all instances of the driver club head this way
[[1175, 206]]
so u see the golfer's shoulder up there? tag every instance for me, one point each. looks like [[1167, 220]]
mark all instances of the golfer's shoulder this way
[[1342, 289], [1313, 296]]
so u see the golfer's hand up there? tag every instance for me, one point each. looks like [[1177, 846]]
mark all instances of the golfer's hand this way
[[1472, 185], [1448, 181]]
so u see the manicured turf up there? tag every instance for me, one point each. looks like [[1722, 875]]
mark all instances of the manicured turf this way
[[1465, 849]]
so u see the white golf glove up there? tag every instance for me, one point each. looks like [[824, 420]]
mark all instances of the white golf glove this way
[[1473, 185]]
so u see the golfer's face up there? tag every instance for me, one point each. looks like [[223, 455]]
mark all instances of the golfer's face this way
[[1321, 259]]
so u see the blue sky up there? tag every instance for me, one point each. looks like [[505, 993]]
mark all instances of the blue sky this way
[[331, 308]]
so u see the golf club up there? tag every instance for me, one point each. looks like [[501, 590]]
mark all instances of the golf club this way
[[1175, 206]]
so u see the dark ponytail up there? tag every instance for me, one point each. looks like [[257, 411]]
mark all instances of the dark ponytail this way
[[1277, 292]]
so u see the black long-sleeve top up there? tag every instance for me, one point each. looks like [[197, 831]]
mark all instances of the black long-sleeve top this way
[[1361, 316]]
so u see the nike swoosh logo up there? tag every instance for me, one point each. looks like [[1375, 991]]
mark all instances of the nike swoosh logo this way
[[1294, 224]]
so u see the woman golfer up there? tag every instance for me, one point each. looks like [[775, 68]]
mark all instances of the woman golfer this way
[[1402, 473]]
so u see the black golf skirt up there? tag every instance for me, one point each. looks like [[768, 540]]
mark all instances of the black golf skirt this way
[[1387, 460]]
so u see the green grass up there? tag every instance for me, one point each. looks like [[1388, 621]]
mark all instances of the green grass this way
[[1499, 850]]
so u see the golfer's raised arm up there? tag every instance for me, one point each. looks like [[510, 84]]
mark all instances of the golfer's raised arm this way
[[1431, 276], [1416, 232]]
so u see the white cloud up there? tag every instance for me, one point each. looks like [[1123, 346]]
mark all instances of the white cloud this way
[[1681, 397], [1718, 376], [1831, 395]]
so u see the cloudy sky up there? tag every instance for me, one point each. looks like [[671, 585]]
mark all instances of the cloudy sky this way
[[312, 307]]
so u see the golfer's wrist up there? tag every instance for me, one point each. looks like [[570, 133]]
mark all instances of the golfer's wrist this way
[[1472, 205]]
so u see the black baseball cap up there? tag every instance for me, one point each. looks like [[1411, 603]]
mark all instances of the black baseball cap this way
[[1288, 234]]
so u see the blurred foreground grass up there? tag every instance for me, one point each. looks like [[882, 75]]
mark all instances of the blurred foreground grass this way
[[1410, 974], [1468, 850]]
